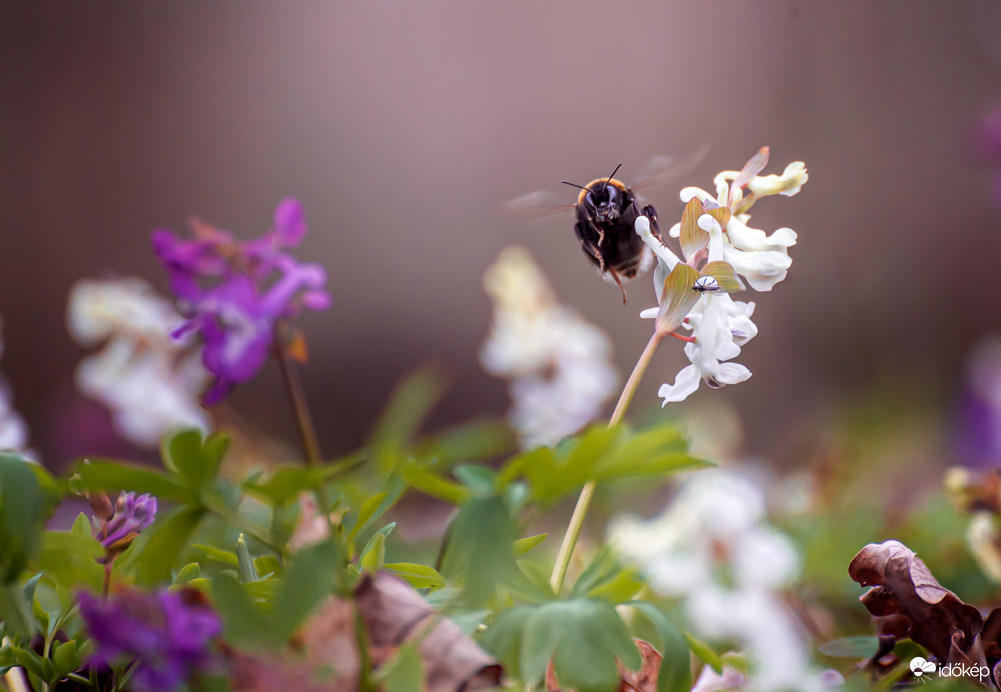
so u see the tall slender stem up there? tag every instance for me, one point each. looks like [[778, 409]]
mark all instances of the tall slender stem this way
[[300, 410], [297, 398], [587, 492]]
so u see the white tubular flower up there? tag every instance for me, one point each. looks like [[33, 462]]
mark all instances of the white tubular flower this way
[[761, 269], [788, 184], [559, 366], [149, 382], [720, 327], [760, 258]]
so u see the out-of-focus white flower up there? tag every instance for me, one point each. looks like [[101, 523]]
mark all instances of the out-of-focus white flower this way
[[559, 365], [729, 681], [13, 429], [714, 548], [149, 382]]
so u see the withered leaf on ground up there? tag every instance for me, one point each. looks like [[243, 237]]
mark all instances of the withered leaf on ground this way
[[903, 584], [326, 659], [642, 680], [395, 614]]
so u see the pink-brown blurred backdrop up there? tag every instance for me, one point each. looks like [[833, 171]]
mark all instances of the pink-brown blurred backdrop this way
[[405, 127]]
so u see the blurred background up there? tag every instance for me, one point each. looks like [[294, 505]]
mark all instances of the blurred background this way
[[405, 128]]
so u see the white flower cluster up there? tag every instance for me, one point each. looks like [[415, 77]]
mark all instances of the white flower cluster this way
[[715, 549], [13, 429], [149, 382], [558, 365], [720, 325]]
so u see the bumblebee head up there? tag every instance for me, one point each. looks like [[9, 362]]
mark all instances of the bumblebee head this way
[[603, 198]]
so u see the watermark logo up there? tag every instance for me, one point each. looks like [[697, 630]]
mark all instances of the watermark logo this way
[[922, 668]]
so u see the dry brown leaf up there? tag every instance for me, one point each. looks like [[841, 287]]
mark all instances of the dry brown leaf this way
[[394, 614], [643, 680], [903, 584]]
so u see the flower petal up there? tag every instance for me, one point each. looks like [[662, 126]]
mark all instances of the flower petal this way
[[685, 383]]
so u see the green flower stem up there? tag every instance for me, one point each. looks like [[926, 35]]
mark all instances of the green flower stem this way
[[587, 492]]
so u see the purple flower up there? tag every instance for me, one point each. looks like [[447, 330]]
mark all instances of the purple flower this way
[[167, 632], [977, 440], [234, 292], [132, 515], [987, 143]]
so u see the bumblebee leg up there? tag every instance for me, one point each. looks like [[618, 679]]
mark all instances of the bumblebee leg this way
[[651, 213], [615, 275], [601, 236], [593, 252]]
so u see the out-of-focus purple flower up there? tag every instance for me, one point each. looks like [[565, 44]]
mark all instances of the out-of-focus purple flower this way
[[978, 424], [234, 292], [167, 632], [987, 142], [132, 515]]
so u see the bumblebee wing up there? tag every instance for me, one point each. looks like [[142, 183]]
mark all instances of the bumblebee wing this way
[[663, 169], [537, 204]]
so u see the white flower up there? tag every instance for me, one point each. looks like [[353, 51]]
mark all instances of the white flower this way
[[714, 548], [149, 382], [13, 429], [760, 258], [559, 365]]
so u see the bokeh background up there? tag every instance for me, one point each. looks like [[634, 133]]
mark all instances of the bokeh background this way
[[406, 127]]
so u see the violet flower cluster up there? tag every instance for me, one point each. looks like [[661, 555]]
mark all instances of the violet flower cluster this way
[[167, 632], [234, 292], [132, 515]]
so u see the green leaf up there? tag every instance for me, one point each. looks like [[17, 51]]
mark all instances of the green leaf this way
[[287, 483], [22, 516], [432, 485], [81, 525], [366, 514], [65, 658], [243, 623], [308, 580], [675, 668], [850, 647], [523, 545], [479, 479], [162, 544], [475, 441], [267, 565], [503, 635], [195, 461], [374, 555], [15, 611], [247, 570], [102, 474], [226, 557], [71, 559], [704, 652], [584, 637], [406, 411], [418, 576], [480, 547], [188, 573], [658, 451], [405, 672]]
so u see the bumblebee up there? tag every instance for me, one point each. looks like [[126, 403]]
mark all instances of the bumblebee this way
[[606, 211], [606, 216]]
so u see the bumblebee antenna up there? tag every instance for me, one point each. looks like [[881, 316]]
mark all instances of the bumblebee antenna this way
[[576, 185], [605, 184]]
